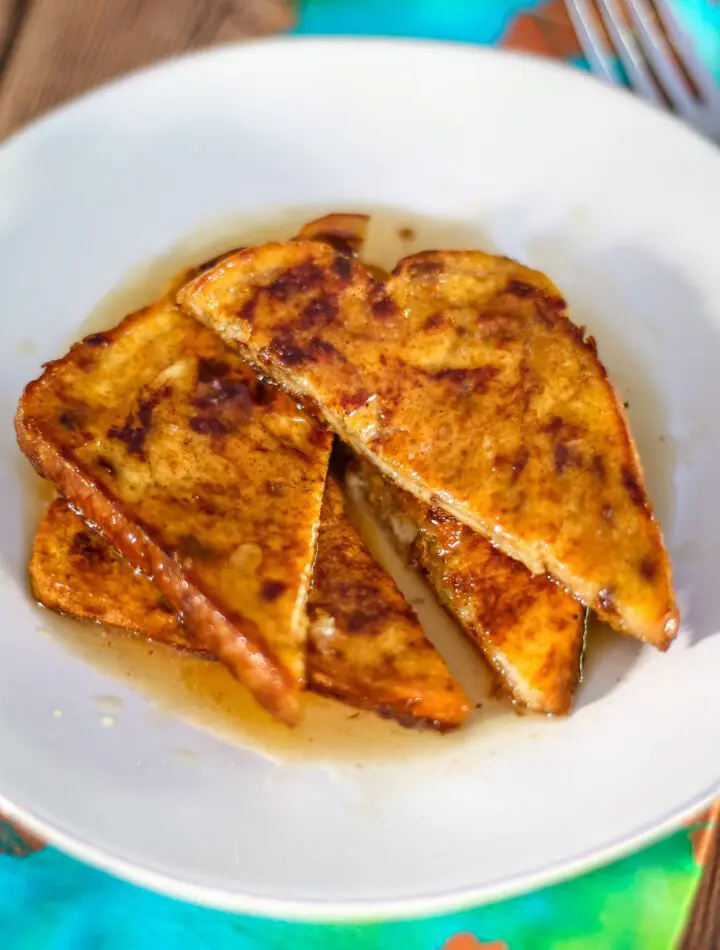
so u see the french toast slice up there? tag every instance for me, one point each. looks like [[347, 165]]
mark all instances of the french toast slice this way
[[373, 657], [530, 631], [203, 476], [462, 378], [365, 644]]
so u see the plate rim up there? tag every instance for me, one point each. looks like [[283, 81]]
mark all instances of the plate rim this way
[[361, 911]]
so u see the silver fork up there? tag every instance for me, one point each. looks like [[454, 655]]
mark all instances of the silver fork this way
[[671, 77]]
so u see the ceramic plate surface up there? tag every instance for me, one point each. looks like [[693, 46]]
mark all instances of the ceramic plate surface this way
[[620, 205]]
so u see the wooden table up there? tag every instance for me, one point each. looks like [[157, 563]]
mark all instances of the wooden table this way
[[51, 50]]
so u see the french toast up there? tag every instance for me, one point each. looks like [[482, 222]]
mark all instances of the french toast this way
[[202, 475], [365, 646], [530, 631], [462, 378]]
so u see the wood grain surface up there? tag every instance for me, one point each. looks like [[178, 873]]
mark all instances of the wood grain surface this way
[[51, 50], [55, 49]]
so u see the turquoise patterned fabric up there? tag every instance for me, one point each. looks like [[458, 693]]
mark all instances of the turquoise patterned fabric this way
[[49, 901]]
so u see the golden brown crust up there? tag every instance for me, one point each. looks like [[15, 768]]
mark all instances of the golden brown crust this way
[[201, 475], [463, 380], [74, 571], [365, 645], [530, 631]]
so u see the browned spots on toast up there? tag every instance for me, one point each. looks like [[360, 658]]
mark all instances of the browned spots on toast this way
[[106, 465], [69, 420], [321, 311], [208, 425], [295, 280], [190, 546], [635, 492], [342, 264], [382, 306], [475, 380], [224, 389], [97, 339], [209, 369], [271, 590], [649, 568], [247, 311], [89, 547], [598, 466], [137, 425], [420, 269], [288, 352], [353, 401]]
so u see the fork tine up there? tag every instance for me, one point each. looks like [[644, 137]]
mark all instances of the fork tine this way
[[682, 42], [657, 49], [591, 42], [639, 76]]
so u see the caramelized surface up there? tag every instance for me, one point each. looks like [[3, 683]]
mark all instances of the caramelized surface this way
[[530, 630], [364, 643], [74, 571], [462, 378], [203, 476]]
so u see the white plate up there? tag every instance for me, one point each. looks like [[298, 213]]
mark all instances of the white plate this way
[[621, 206]]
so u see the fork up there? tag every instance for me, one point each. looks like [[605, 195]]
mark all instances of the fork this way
[[656, 54]]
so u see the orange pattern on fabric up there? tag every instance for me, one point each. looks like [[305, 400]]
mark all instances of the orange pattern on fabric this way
[[15, 841], [546, 30], [468, 942], [700, 832]]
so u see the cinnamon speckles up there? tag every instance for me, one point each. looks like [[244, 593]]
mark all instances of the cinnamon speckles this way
[[209, 369], [424, 268], [562, 456], [106, 465], [475, 380], [217, 388], [519, 462], [288, 352], [189, 546], [271, 590], [89, 548], [351, 402], [342, 266], [634, 490], [295, 280], [648, 569], [247, 311], [208, 425], [520, 289], [382, 306], [137, 425], [97, 339], [68, 420], [320, 312]]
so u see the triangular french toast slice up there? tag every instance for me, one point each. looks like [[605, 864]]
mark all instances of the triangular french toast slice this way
[[364, 644], [203, 476], [530, 631], [462, 378]]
